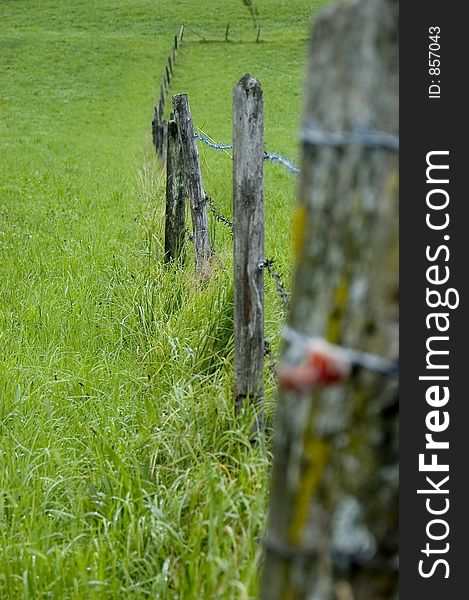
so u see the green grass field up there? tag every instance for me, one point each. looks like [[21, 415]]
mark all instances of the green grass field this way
[[124, 472]]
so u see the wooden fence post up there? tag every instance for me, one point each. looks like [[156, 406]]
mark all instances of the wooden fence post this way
[[181, 34], [161, 106], [197, 198], [175, 197], [248, 206], [164, 140], [332, 522], [154, 128]]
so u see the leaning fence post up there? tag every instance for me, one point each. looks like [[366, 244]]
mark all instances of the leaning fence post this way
[[332, 522], [197, 198], [175, 197], [248, 201]]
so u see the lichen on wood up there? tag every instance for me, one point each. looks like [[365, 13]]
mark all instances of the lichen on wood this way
[[335, 451]]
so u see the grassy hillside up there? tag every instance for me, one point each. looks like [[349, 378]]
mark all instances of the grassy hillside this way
[[123, 470]]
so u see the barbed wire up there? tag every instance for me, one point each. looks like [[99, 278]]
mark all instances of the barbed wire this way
[[314, 135], [267, 263], [214, 145], [276, 277], [287, 163], [272, 363], [220, 217], [272, 156]]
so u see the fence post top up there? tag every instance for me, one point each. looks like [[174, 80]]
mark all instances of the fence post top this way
[[248, 83], [179, 99]]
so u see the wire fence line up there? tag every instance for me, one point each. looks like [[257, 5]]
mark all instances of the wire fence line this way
[[282, 292], [218, 215], [267, 263], [272, 156], [283, 160], [182, 162], [211, 144], [272, 363]]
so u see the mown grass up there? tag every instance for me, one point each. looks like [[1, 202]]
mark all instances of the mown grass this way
[[123, 469]]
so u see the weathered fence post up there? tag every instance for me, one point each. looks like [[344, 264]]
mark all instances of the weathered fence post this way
[[248, 201], [161, 104], [164, 140], [154, 128], [197, 198], [227, 31], [181, 33], [332, 522], [175, 197]]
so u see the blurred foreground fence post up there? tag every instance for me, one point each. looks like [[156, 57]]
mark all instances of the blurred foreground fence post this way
[[175, 198], [248, 201], [197, 198], [332, 525]]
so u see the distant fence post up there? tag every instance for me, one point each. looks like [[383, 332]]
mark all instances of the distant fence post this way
[[332, 526], [159, 125], [154, 128], [248, 201], [175, 197], [163, 140], [197, 198]]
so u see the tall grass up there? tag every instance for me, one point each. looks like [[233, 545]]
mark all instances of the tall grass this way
[[123, 469]]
